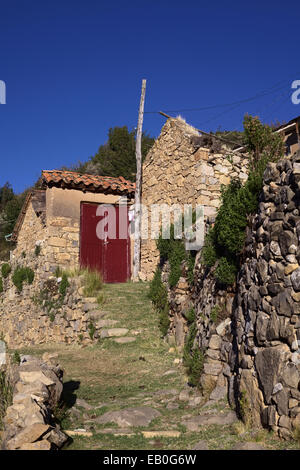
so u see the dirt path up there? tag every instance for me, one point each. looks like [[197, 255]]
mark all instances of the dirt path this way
[[132, 393]]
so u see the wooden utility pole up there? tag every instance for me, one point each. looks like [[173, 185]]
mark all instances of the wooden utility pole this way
[[138, 189]]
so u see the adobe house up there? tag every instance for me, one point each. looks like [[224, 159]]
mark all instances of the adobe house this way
[[62, 219]]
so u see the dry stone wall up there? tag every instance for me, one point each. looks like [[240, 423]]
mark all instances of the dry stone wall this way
[[177, 171], [266, 317], [250, 335], [29, 423], [40, 314]]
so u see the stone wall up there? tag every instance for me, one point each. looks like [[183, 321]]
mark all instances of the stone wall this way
[[250, 334], [39, 315], [266, 317], [177, 171], [29, 423]]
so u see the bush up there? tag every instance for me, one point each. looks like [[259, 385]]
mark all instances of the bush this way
[[37, 250], [226, 271], [225, 242], [22, 275], [64, 284], [209, 253], [159, 296], [92, 330], [1, 285], [193, 357], [6, 270]]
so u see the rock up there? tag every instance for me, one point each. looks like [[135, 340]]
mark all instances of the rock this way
[[106, 323], [295, 278], [218, 393], [208, 419], [184, 395], [139, 416], [79, 432], [113, 332], [28, 435], [215, 342], [200, 445], [35, 376], [83, 404], [57, 437], [213, 368], [290, 375], [125, 339], [40, 445], [151, 434], [221, 328], [248, 446], [269, 363]]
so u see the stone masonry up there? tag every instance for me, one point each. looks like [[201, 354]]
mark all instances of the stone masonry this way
[[177, 171]]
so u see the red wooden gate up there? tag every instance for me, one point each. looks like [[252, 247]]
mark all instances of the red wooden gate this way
[[107, 254]]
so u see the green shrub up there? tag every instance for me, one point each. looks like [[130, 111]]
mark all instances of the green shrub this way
[[92, 329], [158, 292], [226, 271], [177, 256], [225, 242], [191, 257], [64, 284], [37, 250], [190, 315], [196, 367], [214, 314], [209, 253], [16, 358], [1, 285], [159, 297], [193, 357], [21, 275], [6, 270]]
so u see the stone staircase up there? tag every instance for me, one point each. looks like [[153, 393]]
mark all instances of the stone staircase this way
[[105, 327]]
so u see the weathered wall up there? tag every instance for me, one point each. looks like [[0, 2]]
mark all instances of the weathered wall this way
[[250, 335], [176, 171], [63, 223], [33, 231], [29, 423], [59, 236], [26, 320], [267, 314]]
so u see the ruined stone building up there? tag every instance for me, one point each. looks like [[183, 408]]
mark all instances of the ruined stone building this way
[[180, 170]]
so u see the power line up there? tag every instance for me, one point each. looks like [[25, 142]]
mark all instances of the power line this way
[[234, 103]]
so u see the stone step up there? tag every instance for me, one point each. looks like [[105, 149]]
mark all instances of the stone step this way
[[96, 315], [125, 339], [151, 434], [113, 332], [106, 323], [90, 306]]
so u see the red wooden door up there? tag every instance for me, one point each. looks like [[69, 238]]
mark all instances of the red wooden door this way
[[108, 253]]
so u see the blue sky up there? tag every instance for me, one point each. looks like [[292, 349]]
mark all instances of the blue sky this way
[[73, 69]]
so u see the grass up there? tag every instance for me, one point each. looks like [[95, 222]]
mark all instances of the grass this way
[[92, 282], [111, 376], [5, 395]]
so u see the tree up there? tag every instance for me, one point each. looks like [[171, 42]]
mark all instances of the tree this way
[[117, 156]]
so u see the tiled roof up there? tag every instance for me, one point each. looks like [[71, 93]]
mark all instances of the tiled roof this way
[[73, 180]]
